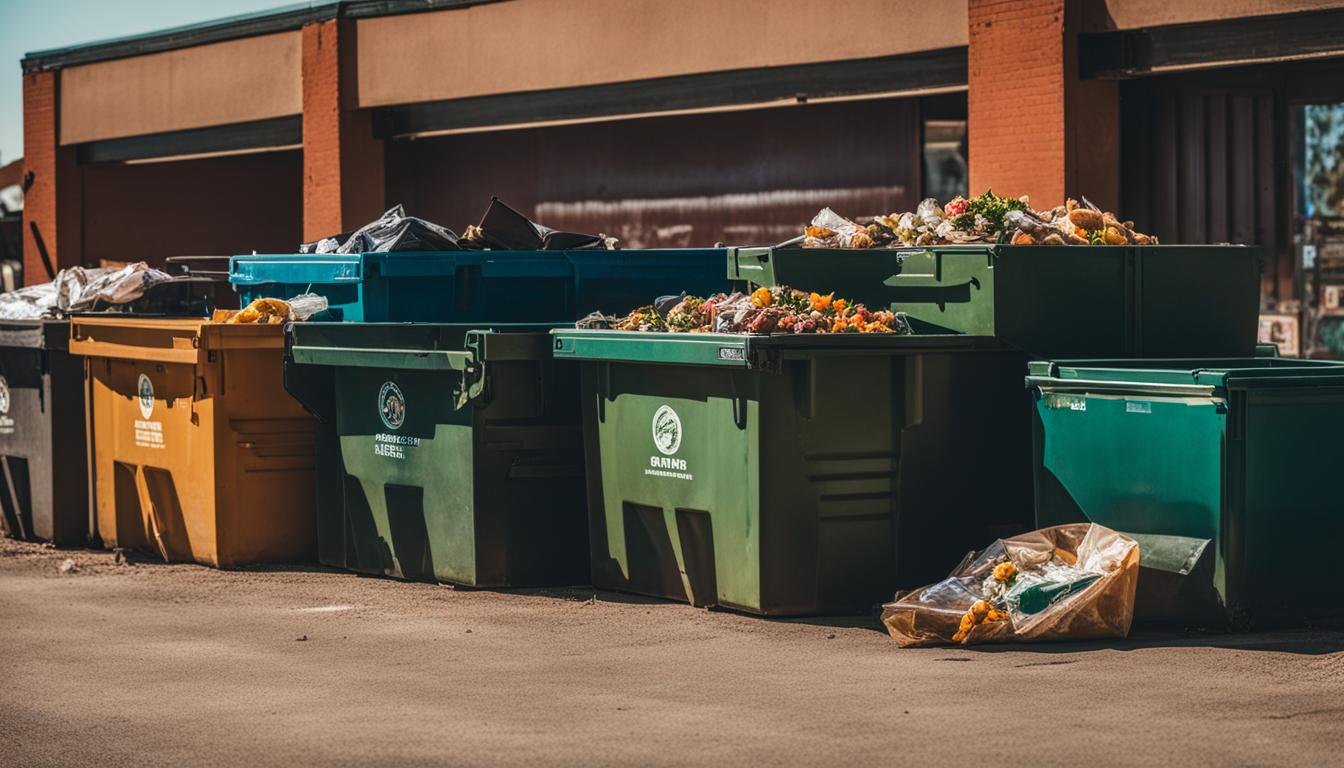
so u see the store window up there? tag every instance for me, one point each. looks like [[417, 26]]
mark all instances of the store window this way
[[1319, 186], [945, 166]]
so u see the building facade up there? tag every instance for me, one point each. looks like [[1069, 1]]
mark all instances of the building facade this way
[[696, 121]]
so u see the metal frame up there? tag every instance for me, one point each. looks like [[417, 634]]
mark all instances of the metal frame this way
[[1254, 39], [925, 70]]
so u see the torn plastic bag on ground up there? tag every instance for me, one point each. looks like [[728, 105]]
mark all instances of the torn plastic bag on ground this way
[[77, 289], [1069, 582], [503, 228]]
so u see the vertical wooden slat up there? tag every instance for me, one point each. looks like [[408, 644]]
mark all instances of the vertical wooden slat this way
[[1266, 227], [1136, 154], [1219, 156], [1242, 178], [1165, 169], [1192, 183]]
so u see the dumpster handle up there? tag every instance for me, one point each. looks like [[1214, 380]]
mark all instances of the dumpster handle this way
[[1082, 386], [466, 362], [439, 359]]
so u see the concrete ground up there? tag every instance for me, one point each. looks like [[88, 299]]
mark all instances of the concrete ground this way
[[150, 664]]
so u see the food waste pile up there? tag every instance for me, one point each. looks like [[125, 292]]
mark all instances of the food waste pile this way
[[988, 218], [763, 311]]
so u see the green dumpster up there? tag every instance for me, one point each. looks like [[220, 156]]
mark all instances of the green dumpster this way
[[789, 475], [446, 453], [1244, 452], [1051, 301]]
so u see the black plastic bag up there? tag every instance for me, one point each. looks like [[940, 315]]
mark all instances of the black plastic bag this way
[[503, 228], [395, 231]]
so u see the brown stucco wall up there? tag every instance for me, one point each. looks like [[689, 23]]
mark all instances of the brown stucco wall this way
[[525, 45], [236, 81]]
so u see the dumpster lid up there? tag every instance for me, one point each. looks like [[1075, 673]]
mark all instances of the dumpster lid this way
[[320, 269], [1221, 373], [168, 340], [746, 351], [35, 334]]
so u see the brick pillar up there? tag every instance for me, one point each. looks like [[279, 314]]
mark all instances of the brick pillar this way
[[1035, 128], [53, 201], [342, 161]]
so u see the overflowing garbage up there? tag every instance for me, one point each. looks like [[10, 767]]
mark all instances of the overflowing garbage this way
[[78, 289], [763, 311], [1069, 582], [988, 218], [501, 228], [275, 311]]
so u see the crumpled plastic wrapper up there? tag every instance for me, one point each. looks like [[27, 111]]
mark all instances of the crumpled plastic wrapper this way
[[1069, 582], [77, 289], [306, 305]]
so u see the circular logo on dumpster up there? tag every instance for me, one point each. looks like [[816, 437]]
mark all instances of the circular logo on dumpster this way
[[146, 390], [666, 430], [391, 405], [4, 395]]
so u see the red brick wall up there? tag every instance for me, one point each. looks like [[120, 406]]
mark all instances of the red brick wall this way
[[1035, 128], [1016, 98], [342, 161], [321, 130], [53, 207]]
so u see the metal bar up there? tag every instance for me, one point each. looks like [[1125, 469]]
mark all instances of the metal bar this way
[[1285, 36], [915, 71], [1046, 384], [257, 134], [425, 359]]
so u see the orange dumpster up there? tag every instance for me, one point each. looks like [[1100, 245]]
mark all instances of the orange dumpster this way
[[196, 452]]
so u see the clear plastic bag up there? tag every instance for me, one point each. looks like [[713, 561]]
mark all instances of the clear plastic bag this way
[[1069, 582], [831, 230]]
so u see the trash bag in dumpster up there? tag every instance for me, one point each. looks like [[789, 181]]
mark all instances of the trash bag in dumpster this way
[[77, 289], [393, 231], [1069, 582], [504, 229]]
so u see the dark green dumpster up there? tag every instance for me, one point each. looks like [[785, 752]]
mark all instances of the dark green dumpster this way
[[1051, 301], [43, 450], [1244, 452], [446, 452], [796, 474]]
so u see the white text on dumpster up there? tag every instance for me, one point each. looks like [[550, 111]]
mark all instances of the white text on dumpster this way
[[148, 434], [393, 446]]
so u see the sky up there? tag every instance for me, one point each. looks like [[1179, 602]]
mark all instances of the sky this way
[[34, 25]]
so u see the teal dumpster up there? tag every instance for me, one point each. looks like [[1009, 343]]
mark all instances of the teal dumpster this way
[[1243, 452], [480, 286], [793, 475], [448, 453], [1051, 301]]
